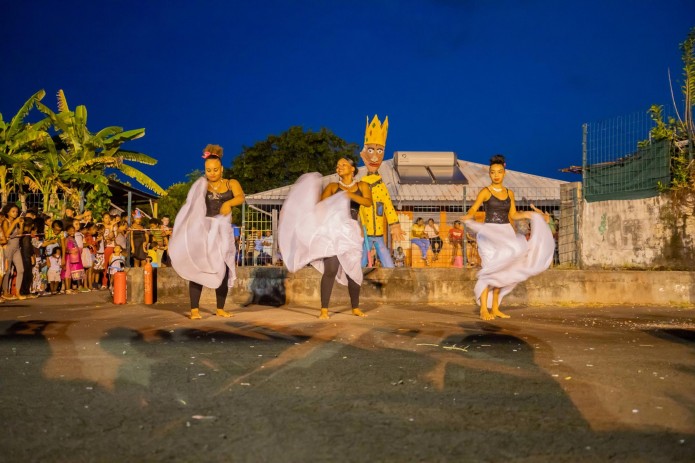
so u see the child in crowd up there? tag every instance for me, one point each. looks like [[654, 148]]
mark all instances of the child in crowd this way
[[88, 252], [116, 263], [54, 263], [158, 235], [54, 236], [99, 265], [153, 254], [166, 232], [121, 234], [74, 271], [456, 240], [79, 235], [399, 257], [37, 285]]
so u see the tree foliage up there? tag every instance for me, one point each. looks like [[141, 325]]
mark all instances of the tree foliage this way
[[272, 163], [280, 159], [18, 143], [72, 161], [680, 130], [170, 204]]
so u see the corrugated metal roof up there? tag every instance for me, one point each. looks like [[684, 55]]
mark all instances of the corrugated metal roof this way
[[525, 186]]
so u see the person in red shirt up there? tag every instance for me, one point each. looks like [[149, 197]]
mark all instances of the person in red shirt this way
[[456, 239]]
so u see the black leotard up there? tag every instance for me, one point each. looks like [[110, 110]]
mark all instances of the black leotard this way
[[497, 210], [214, 201]]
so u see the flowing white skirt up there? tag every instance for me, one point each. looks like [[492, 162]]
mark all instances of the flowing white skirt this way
[[508, 258], [201, 248], [310, 230]]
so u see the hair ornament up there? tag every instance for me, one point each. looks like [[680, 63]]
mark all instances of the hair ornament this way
[[213, 150]]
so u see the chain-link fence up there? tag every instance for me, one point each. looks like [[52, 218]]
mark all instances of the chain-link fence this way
[[446, 245], [619, 161], [256, 241]]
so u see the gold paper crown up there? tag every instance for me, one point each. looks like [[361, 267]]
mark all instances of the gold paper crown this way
[[376, 131]]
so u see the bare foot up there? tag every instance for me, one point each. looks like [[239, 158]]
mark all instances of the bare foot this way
[[223, 313], [324, 314], [358, 313], [195, 314], [498, 314], [485, 315]]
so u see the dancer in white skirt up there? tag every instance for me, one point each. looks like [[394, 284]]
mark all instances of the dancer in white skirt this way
[[507, 257], [201, 247], [320, 228]]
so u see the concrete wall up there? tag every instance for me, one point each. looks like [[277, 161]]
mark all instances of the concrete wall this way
[[639, 233], [450, 286]]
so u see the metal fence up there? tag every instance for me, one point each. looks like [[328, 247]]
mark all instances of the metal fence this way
[[256, 239], [615, 167], [28, 200], [567, 241], [257, 235]]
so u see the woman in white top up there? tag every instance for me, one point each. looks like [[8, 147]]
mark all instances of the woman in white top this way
[[432, 232]]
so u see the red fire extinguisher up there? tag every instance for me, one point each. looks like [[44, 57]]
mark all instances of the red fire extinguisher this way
[[148, 281], [119, 288]]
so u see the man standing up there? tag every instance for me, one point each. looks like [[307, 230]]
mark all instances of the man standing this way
[[372, 218]]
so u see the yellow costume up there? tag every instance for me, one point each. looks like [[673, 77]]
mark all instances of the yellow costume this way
[[373, 217]]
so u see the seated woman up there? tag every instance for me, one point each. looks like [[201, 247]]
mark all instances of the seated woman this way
[[419, 238], [432, 232]]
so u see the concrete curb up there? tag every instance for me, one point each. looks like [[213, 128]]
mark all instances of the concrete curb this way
[[274, 286]]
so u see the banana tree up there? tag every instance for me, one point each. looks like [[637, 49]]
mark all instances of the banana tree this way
[[49, 176], [18, 143], [83, 156]]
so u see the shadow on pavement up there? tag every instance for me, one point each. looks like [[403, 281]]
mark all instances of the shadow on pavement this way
[[248, 392]]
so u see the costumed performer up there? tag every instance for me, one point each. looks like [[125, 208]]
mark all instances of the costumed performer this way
[[372, 216], [507, 257], [320, 228], [201, 248]]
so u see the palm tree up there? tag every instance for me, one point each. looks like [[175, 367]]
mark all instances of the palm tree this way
[[80, 156]]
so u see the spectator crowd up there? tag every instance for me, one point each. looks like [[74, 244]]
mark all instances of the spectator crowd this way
[[43, 254]]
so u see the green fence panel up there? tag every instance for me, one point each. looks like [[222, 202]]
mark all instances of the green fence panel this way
[[630, 177]]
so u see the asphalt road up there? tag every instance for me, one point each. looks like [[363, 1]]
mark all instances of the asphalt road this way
[[84, 380]]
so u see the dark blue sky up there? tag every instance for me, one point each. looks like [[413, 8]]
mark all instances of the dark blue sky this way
[[475, 77]]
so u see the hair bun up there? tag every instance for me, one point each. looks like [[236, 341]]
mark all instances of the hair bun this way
[[213, 150], [498, 159]]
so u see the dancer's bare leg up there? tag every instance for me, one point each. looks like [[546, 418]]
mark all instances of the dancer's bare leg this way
[[496, 304], [484, 314]]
